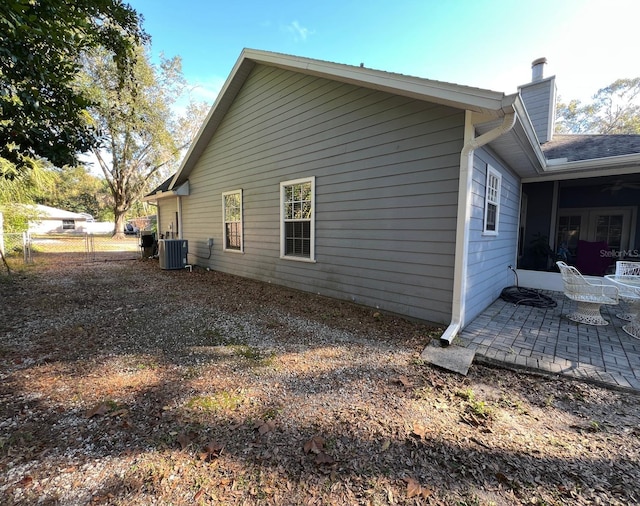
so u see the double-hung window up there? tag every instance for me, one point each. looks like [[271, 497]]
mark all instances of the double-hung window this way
[[492, 201], [232, 216], [297, 227]]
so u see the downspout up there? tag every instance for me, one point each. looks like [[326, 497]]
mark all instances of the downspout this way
[[471, 143], [180, 234]]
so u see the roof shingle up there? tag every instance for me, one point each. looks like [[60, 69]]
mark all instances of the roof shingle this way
[[586, 147]]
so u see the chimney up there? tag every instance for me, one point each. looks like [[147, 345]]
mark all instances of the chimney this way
[[539, 97], [537, 69]]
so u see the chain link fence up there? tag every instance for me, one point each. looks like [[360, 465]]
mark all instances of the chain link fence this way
[[26, 248]]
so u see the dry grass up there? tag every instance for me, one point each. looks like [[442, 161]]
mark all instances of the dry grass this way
[[125, 384]]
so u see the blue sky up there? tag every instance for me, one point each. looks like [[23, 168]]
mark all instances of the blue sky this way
[[484, 43]]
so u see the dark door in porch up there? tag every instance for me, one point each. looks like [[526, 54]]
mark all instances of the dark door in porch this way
[[602, 234]]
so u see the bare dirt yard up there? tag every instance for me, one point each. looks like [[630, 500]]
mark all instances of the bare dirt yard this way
[[124, 384]]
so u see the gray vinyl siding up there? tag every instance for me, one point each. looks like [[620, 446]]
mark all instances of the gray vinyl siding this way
[[386, 170], [539, 99], [490, 255], [167, 209]]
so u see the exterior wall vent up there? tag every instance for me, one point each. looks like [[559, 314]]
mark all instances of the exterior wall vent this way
[[172, 253]]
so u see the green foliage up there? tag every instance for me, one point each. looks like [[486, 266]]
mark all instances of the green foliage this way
[[615, 109], [26, 186], [139, 135], [78, 191], [42, 111], [467, 394], [477, 408], [71, 188], [480, 408], [15, 218]]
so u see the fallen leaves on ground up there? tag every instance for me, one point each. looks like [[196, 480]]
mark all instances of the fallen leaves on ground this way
[[414, 489], [121, 383]]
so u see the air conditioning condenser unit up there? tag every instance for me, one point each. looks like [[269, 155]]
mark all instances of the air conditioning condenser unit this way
[[172, 253]]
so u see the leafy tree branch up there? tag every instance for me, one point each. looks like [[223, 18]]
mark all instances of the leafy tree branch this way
[[42, 110], [615, 109]]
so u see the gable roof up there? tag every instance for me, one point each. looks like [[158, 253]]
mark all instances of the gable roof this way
[[53, 213], [162, 187], [489, 103], [518, 147], [164, 190]]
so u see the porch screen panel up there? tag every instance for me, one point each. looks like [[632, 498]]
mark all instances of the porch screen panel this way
[[568, 233]]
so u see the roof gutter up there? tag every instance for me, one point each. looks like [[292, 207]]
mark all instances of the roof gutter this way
[[471, 143], [182, 190]]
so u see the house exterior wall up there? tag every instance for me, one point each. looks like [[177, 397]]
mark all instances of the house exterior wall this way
[[386, 179], [490, 255], [56, 226], [167, 224]]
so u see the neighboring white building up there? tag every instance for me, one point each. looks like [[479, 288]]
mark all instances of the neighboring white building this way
[[57, 221]]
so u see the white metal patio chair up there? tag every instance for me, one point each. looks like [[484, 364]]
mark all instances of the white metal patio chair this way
[[589, 295], [628, 295]]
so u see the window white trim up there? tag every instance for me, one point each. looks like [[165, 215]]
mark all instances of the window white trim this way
[[284, 219], [239, 221], [492, 201]]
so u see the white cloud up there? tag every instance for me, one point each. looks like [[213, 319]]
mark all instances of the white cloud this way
[[299, 32]]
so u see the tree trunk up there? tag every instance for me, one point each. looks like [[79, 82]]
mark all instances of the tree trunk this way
[[118, 232]]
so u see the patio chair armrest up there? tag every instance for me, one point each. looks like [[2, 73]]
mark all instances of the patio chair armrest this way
[[610, 291], [595, 291]]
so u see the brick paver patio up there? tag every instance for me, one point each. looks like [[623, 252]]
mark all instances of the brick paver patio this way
[[544, 340]]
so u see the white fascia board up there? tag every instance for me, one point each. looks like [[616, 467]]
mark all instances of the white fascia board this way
[[531, 138], [152, 199], [588, 168], [594, 163]]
